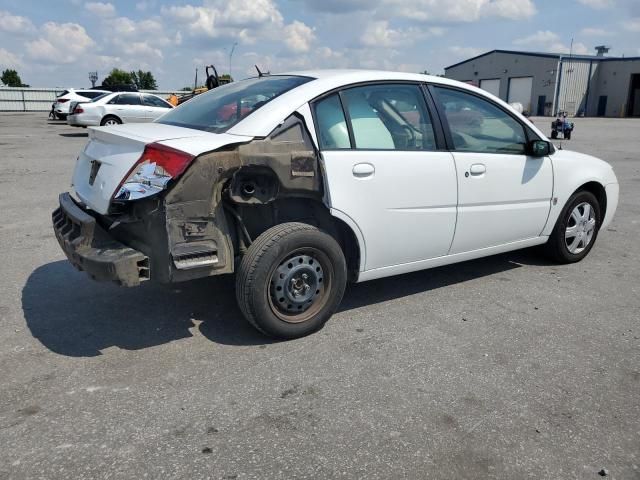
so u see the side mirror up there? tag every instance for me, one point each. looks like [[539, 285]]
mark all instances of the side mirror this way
[[539, 148]]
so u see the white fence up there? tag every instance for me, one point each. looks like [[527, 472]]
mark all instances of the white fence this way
[[40, 99]]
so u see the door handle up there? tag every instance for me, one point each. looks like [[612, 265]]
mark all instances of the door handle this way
[[477, 169], [361, 170]]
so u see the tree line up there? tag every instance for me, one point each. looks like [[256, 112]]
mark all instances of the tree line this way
[[141, 79]]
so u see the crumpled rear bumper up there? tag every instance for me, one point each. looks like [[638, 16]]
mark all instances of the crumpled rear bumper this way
[[90, 248]]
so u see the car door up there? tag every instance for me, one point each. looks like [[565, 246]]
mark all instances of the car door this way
[[384, 169], [129, 108], [504, 194], [154, 107]]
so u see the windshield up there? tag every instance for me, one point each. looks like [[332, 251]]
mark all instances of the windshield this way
[[219, 109]]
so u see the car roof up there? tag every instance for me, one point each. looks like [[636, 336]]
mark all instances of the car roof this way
[[264, 120]]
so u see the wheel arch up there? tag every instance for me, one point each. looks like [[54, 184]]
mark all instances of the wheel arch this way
[[599, 192], [110, 115], [258, 218], [352, 243]]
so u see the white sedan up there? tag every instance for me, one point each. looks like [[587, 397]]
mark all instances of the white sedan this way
[[119, 107], [299, 183]]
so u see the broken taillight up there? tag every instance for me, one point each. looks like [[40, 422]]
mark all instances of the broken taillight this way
[[152, 172]]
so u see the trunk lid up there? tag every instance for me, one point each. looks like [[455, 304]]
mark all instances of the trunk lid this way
[[111, 153]]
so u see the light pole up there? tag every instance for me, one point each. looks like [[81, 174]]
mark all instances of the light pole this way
[[233, 47]]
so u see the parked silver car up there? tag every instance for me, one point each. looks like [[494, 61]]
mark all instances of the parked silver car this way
[[119, 107]]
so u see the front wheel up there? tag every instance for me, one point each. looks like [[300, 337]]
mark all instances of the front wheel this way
[[576, 230], [291, 280]]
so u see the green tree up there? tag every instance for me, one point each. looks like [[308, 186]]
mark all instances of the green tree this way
[[11, 78], [118, 77], [144, 80]]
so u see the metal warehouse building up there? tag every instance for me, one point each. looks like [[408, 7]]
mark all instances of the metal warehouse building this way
[[545, 83]]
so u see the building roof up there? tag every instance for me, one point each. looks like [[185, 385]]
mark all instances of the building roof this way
[[546, 55]]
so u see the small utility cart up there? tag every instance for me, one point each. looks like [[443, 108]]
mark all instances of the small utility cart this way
[[561, 125]]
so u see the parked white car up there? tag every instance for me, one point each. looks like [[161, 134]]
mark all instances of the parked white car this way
[[63, 101], [119, 107], [298, 183]]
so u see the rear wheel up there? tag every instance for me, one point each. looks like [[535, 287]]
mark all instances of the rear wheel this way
[[291, 280], [576, 230], [110, 120], [554, 134]]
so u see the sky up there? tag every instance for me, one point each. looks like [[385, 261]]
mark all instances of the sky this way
[[57, 42]]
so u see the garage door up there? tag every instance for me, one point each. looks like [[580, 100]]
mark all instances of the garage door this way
[[492, 86], [520, 91]]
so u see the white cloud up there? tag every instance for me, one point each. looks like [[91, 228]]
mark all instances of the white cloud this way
[[379, 34], [460, 10], [9, 59], [632, 25], [14, 23], [538, 38], [243, 19], [597, 4], [551, 42], [466, 52], [595, 32], [144, 5], [100, 9], [299, 37], [59, 43]]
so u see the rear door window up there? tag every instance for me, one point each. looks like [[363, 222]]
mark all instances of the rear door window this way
[[127, 99], [332, 124], [153, 101], [389, 117]]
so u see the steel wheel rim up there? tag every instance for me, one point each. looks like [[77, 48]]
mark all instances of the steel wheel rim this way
[[580, 228], [294, 298]]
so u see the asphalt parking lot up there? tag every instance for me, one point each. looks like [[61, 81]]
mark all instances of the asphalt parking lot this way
[[505, 367]]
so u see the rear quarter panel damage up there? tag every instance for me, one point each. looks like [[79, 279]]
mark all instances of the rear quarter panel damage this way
[[195, 218]]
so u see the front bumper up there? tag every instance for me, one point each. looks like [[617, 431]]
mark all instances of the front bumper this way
[[90, 248]]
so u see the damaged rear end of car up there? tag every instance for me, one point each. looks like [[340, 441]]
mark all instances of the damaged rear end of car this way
[[169, 203]]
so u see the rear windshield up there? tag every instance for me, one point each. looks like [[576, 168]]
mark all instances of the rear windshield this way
[[101, 96], [219, 109], [90, 93]]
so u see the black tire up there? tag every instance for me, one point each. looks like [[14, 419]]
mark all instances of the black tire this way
[[554, 134], [556, 247], [567, 135], [107, 118], [61, 116], [277, 249]]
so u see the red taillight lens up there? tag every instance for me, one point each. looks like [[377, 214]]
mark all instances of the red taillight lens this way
[[62, 100], [173, 162], [78, 110], [156, 166]]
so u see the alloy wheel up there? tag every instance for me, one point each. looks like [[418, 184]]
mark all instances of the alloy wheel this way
[[580, 228]]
